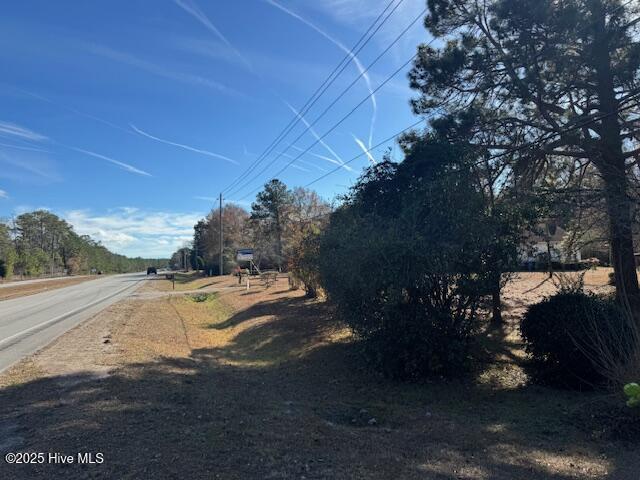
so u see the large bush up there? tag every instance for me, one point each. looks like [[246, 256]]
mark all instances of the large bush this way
[[303, 263], [408, 259], [572, 338]]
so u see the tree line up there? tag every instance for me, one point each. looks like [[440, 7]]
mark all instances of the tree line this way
[[278, 222], [40, 243]]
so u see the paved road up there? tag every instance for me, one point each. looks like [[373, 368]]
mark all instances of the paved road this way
[[31, 322]]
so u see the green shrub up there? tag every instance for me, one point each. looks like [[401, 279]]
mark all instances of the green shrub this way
[[203, 297], [567, 334], [632, 391], [419, 338], [409, 258]]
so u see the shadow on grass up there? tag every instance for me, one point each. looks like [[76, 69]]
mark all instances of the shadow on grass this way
[[282, 402]]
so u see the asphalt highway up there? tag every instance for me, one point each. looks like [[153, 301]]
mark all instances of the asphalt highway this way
[[29, 323]]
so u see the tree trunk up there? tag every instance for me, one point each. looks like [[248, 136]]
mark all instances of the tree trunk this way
[[496, 300], [621, 240], [496, 305], [610, 161], [549, 260]]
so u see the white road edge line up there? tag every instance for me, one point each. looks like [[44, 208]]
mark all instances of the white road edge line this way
[[63, 316]]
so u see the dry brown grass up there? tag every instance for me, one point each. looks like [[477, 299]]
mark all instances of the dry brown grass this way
[[184, 281], [266, 384]]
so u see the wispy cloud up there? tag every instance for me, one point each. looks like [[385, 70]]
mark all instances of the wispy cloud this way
[[192, 9], [4, 194], [345, 49], [206, 199], [124, 166], [158, 70], [30, 167], [207, 48], [364, 149], [186, 147], [22, 147], [136, 232], [75, 111], [356, 13], [318, 138], [13, 130], [215, 200]]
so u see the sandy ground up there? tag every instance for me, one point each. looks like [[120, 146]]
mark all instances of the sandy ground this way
[[265, 384], [19, 290]]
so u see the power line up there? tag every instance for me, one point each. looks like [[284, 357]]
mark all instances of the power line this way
[[244, 184], [340, 96], [365, 152], [480, 162], [509, 151], [521, 147], [329, 80]]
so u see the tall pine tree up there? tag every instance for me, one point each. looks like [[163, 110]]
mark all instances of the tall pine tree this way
[[540, 81]]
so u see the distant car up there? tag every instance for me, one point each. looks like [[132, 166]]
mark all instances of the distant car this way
[[152, 271]]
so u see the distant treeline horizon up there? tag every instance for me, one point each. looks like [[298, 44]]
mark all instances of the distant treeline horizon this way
[[39, 243]]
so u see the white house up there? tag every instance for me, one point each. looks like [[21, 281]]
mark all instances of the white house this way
[[549, 239]]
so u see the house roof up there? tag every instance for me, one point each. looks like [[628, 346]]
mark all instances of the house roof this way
[[546, 231]]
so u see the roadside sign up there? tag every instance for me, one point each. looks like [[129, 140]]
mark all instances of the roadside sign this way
[[244, 255]]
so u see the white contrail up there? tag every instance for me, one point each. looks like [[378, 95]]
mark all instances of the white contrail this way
[[159, 70], [180, 145], [345, 49], [294, 165], [4, 194], [19, 147], [317, 137], [14, 130], [311, 164], [322, 157], [298, 167], [75, 111], [364, 149], [125, 166], [192, 9]]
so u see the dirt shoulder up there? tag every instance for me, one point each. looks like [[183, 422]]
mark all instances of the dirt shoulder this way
[[11, 290], [265, 384]]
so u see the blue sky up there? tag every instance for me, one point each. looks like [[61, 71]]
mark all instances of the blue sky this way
[[127, 118]]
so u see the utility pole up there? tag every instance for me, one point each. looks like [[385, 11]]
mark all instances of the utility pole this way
[[221, 245]]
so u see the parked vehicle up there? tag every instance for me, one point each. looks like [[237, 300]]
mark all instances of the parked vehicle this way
[[152, 271]]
